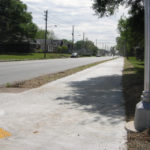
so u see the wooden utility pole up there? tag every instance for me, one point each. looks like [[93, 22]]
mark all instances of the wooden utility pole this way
[[83, 40], [72, 37], [83, 36]]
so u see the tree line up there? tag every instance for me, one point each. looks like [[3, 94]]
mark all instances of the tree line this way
[[18, 31], [131, 29]]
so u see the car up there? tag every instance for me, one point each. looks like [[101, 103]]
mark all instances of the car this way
[[74, 55]]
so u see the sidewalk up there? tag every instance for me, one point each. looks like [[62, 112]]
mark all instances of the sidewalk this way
[[84, 111]]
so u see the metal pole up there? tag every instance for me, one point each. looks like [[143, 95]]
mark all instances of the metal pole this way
[[147, 52], [83, 36], [142, 113]]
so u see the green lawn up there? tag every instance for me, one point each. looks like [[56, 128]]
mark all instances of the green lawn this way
[[137, 64], [31, 56], [133, 84], [133, 81]]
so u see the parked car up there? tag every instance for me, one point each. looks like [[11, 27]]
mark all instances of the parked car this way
[[74, 55]]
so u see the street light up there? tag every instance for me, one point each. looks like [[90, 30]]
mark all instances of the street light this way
[[142, 113]]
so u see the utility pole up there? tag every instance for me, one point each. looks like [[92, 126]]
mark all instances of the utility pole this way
[[96, 42], [83, 36], [72, 37], [83, 40], [142, 112], [46, 16]]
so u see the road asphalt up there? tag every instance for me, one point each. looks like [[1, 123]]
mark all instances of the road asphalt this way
[[84, 111], [25, 70]]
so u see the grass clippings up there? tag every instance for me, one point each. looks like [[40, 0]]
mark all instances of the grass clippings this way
[[133, 80]]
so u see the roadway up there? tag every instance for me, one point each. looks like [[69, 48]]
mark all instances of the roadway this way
[[24, 70]]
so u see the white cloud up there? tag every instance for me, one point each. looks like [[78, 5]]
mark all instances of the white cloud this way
[[72, 3], [66, 13]]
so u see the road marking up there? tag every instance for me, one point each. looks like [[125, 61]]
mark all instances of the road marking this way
[[4, 134]]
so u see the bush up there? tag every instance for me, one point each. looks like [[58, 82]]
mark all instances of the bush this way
[[139, 53], [62, 49], [17, 48]]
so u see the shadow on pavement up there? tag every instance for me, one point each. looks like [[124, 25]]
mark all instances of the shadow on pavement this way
[[101, 95]]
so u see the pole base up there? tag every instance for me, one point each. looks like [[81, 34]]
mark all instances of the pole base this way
[[130, 127], [142, 116]]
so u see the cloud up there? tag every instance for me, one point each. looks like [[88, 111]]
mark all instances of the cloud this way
[[65, 13]]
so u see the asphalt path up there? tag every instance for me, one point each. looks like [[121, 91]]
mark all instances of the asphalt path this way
[[24, 70]]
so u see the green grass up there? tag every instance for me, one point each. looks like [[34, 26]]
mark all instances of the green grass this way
[[133, 83], [31, 56], [139, 65]]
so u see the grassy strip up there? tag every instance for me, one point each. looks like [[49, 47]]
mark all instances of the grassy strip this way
[[36, 82], [133, 79], [32, 56]]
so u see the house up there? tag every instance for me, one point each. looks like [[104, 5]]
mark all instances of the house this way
[[102, 52], [52, 45]]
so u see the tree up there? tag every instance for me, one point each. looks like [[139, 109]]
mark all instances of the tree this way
[[63, 49], [131, 39], [80, 44], [90, 46], [113, 50], [87, 45], [120, 46], [107, 7], [51, 35], [68, 44], [16, 23], [41, 34], [131, 29]]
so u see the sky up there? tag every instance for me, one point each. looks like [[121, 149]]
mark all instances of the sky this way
[[66, 13]]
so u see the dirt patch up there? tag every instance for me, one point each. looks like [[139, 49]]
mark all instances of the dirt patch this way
[[12, 90], [139, 141], [41, 80]]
